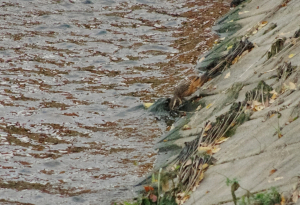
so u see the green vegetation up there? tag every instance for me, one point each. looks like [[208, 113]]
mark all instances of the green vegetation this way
[[269, 197], [231, 182], [146, 201]]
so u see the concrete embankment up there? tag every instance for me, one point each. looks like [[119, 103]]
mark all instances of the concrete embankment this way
[[262, 86]]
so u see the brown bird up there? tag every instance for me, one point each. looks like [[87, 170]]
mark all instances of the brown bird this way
[[187, 88]]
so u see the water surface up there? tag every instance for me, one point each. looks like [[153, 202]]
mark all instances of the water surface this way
[[74, 75]]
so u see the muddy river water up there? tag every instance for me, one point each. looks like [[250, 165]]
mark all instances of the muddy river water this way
[[74, 75]]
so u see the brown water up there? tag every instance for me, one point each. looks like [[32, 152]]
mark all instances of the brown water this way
[[74, 75]]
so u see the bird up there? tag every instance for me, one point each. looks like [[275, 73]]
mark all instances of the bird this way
[[187, 88]]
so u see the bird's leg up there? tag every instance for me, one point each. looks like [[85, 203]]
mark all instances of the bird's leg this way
[[180, 101]]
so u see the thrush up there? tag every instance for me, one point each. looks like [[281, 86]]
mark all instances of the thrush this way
[[187, 88]]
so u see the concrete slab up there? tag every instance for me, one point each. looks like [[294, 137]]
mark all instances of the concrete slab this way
[[255, 148]]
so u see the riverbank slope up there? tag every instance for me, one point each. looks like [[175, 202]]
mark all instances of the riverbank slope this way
[[260, 84]]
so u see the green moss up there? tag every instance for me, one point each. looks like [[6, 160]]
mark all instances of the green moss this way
[[233, 92], [170, 147], [192, 105], [276, 47], [243, 118], [231, 131], [230, 27], [261, 92]]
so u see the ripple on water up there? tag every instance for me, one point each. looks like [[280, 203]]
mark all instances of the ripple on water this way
[[74, 75]]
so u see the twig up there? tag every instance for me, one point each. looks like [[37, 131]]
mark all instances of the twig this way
[[158, 184]]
